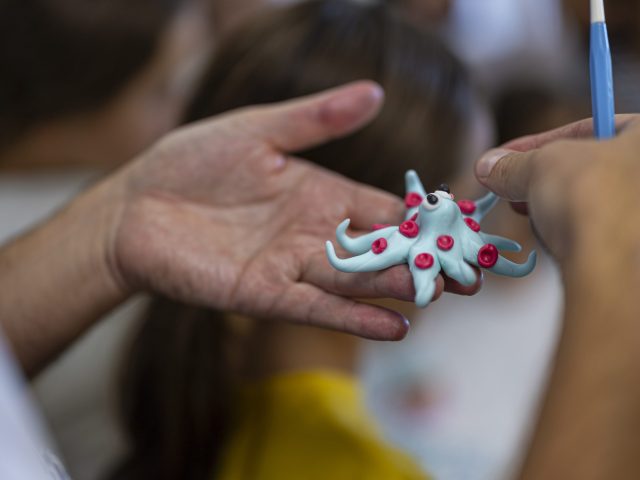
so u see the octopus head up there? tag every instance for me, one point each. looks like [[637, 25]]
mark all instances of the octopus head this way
[[438, 207]]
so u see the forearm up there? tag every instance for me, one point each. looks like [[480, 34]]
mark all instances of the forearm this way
[[590, 420], [56, 280]]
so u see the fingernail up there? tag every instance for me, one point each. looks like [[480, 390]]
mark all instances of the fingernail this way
[[353, 105], [377, 92], [489, 160], [280, 162], [403, 328]]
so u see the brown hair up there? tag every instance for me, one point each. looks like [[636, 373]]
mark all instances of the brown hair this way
[[62, 57], [322, 44], [179, 365]]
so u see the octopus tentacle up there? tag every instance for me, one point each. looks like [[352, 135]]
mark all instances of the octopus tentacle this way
[[502, 243], [411, 213], [458, 270], [503, 266], [369, 261], [512, 269], [413, 183], [424, 280], [484, 206], [360, 245]]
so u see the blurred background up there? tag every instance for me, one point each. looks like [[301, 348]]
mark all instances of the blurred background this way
[[87, 85]]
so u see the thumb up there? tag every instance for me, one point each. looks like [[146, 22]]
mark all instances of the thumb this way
[[306, 122], [507, 173]]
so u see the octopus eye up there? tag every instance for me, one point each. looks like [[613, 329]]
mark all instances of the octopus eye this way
[[432, 201], [444, 188]]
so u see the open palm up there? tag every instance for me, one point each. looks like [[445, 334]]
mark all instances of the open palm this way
[[217, 214]]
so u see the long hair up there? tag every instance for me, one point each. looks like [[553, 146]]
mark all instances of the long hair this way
[[321, 44], [179, 379]]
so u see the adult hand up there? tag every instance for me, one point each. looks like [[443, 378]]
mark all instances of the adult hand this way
[[217, 214]]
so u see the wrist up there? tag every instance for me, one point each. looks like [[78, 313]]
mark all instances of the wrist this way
[[99, 211], [57, 280], [105, 204]]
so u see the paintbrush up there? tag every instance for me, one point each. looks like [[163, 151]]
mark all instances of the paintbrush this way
[[602, 98]]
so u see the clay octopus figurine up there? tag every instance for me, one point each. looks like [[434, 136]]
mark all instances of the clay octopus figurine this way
[[438, 234]]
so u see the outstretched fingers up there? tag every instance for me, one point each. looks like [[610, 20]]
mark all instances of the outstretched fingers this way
[[304, 303], [394, 282]]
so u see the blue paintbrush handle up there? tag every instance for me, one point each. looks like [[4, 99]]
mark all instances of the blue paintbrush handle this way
[[602, 82]]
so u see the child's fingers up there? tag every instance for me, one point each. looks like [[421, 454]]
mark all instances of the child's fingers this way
[[577, 130]]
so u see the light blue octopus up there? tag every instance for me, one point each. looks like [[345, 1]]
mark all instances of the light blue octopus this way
[[438, 234]]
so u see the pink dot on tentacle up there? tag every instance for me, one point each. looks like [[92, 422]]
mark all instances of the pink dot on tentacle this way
[[379, 246], [424, 261], [445, 242], [414, 217], [467, 206], [412, 199], [488, 256], [472, 224], [409, 229], [380, 226]]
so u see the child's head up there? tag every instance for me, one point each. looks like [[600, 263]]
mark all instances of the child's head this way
[[315, 45]]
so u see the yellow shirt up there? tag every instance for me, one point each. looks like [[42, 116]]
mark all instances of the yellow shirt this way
[[310, 425]]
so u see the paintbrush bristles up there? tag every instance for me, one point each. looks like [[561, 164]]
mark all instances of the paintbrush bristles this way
[[597, 11]]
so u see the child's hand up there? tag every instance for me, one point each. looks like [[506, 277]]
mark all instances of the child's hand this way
[[579, 192]]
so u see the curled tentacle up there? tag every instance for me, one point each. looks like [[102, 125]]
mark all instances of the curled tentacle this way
[[502, 243], [359, 245], [395, 254], [504, 266], [512, 269], [484, 206]]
